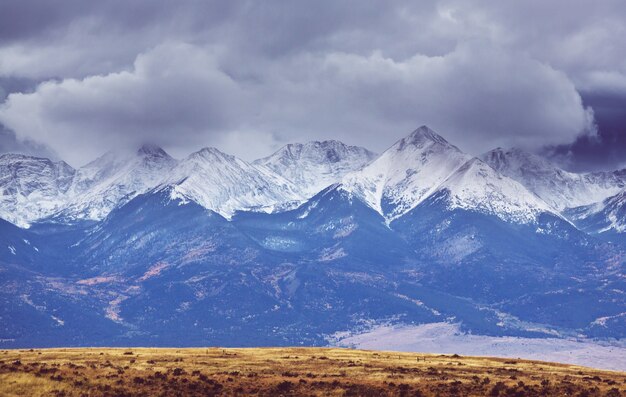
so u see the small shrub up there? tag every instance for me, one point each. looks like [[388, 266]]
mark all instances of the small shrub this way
[[284, 386]]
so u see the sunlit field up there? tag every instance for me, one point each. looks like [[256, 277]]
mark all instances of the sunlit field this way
[[289, 371]]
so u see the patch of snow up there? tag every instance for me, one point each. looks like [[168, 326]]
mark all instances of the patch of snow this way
[[419, 303], [278, 243], [331, 254], [26, 299], [601, 321]]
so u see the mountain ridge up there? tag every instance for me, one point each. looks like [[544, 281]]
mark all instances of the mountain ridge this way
[[409, 171], [315, 165], [229, 252]]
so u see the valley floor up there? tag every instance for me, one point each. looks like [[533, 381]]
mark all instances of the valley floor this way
[[448, 338], [289, 371]]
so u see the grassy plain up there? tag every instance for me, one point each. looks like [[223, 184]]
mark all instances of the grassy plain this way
[[289, 371]]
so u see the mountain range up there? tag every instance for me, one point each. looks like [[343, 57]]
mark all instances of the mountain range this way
[[138, 248]]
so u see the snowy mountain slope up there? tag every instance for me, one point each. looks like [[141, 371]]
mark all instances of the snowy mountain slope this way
[[31, 187], [456, 239], [477, 187], [424, 164], [406, 173], [113, 179], [559, 188], [225, 184], [608, 215], [316, 165]]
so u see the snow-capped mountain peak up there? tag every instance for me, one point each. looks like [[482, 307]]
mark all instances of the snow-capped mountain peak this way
[[476, 186], [406, 173], [113, 179], [212, 154], [225, 184], [559, 188], [31, 187], [424, 164], [420, 136], [512, 184], [315, 165], [152, 151]]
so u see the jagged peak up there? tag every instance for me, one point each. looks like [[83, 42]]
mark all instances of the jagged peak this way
[[332, 149], [8, 158], [519, 158], [475, 167], [212, 153], [21, 157], [152, 150], [421, 136], [510, 151]]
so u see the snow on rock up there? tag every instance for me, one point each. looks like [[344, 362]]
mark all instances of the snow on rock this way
[[406, 173], [113, 179], [516, 186], [559, 188], [424, 163], [604, 216], [31, 187], [476, 186], [226, 184], [615, 212], [316, 165]]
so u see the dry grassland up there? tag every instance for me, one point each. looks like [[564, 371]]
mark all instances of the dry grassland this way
[[287, 372]]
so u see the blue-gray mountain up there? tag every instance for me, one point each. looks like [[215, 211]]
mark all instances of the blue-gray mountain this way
[[141, 249]]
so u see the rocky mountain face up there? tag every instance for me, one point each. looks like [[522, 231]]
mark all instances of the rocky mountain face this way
[[590, 200], [31, 187], [406, 173], [423, 164], [557, 187], [229, 252], [226, 184], [607, 216], [313, 166]]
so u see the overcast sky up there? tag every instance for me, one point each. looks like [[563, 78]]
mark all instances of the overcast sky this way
[[80, 77]]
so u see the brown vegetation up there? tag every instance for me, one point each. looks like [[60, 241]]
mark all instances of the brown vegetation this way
[[289, 371]]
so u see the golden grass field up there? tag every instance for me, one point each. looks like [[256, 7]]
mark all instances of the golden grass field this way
[[289, 371]]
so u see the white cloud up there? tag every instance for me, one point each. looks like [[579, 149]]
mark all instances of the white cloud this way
[[179, 96], [174, 95]]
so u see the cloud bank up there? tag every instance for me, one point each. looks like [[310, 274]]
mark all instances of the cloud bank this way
[[195, 74]]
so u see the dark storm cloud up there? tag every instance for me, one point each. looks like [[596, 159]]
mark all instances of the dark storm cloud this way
[[193, 73], [607, 149], [9, 143]]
